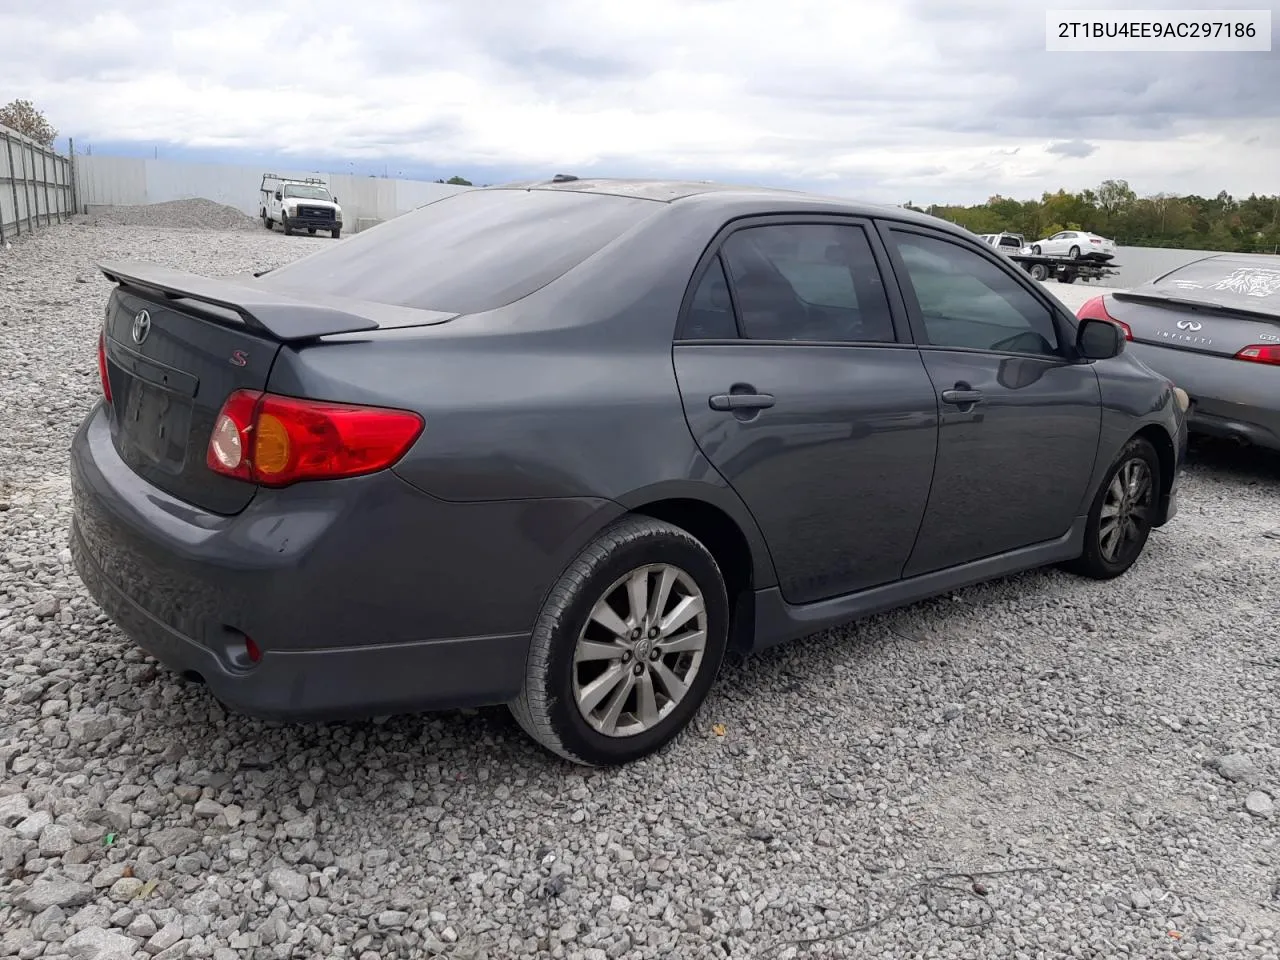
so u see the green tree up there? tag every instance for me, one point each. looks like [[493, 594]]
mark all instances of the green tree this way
[[1114, 210], [1115, 196], [22, 116]]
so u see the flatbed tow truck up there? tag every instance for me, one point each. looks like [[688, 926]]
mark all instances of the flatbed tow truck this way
[[1064, 269]]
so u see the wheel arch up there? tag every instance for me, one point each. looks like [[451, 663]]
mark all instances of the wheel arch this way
[[733, 539]]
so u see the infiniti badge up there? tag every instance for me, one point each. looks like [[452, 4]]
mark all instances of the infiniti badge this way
[[1188, 324], [141, 326]]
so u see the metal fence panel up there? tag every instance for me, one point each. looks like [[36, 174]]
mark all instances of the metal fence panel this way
[[35, 185]]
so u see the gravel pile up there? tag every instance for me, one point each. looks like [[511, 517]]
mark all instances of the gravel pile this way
[[1039, 767], [194, 214]]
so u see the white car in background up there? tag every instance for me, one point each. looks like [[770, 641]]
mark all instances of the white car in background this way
[[1075, 244]]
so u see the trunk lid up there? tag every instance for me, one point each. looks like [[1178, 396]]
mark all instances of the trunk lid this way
[[202, 339], [168, 389], [1218, 305]]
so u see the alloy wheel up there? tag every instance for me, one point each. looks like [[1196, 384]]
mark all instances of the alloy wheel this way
[[640, 650], [1126, 511]]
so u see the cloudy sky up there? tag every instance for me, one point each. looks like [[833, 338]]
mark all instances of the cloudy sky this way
[[897, 100]]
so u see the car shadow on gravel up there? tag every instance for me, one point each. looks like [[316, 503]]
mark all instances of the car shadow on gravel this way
[[1232, 461]]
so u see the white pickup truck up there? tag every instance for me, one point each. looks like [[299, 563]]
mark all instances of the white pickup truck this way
[[299, 205]]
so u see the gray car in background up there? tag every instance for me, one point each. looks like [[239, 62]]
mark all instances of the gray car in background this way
[[562, 445], [1213, 327]]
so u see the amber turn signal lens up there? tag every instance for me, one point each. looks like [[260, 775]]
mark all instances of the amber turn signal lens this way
[[271, 445]]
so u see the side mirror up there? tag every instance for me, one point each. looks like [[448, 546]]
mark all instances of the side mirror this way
[[278, 196], [335, 198], [1099, 339]]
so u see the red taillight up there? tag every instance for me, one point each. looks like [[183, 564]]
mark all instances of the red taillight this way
[[276, 441], [102, 366], [1095, 308], [229, 444], [1261, 353], [252, 650]]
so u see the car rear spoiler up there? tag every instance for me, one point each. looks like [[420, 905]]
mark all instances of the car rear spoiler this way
[[1200, 306], [278, 315]]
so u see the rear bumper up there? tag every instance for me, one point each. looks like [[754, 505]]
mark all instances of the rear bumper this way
[[1229, 398], [366, 596], [344, 683]]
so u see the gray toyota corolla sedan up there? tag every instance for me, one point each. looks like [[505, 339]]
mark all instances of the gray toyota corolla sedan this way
[[561, 445], [1212, 325]]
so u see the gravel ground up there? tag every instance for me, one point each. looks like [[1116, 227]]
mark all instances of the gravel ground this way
[[1038, 767]]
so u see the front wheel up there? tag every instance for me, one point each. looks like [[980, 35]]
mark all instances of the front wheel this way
[[336, 233], [286, 226], [627, 645], [1122, 514]]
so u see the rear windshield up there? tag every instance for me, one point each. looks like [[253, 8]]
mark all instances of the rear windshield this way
[[1253, 283], [471, 252]]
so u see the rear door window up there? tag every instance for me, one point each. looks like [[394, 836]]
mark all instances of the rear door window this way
[[815, 282], [474, 251], [710, 315]]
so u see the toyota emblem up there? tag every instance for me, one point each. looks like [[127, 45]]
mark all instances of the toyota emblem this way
[[141, 326]]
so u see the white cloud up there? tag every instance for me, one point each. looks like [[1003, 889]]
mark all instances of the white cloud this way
[[922, 100]]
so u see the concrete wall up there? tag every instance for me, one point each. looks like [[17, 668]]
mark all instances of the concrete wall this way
[[35, 185], [132, 181]]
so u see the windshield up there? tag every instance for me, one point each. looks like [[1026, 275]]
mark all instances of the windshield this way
[[305, 191]]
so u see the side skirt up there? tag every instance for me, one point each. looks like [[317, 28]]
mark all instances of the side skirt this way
[[778, 621]]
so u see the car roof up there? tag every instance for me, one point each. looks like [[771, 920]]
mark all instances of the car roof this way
[[729, 197]]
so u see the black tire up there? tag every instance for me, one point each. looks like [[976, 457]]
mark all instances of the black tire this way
[[336, 233], [1094, 562], [266, 221], [1036, 249], [1067, 277], [311, 230], [1039, 271], [547, 709], [286, 226], [1074, 253]]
